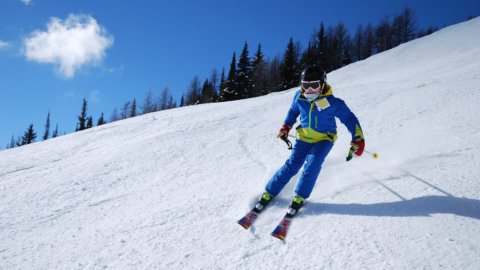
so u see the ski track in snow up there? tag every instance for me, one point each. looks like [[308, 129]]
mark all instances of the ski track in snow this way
[[164, 190]]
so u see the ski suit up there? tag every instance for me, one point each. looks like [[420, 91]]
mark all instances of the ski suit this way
[[316, 135]]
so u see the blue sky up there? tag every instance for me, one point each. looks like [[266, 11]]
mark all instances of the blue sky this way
[[130, 47]]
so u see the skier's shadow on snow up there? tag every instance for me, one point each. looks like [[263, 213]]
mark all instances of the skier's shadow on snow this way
[[422, 206]]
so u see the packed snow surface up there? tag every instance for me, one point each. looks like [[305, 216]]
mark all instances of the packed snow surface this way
[[164, 190]]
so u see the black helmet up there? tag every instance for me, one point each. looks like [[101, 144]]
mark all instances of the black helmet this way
[[314, 73]]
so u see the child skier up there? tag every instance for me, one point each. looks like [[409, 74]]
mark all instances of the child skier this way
[[316, 134]]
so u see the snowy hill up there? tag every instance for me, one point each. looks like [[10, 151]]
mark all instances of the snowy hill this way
[[164, 190]]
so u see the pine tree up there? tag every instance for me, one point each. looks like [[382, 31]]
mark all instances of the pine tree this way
[[194, 91], [383, 35], [148, 104], [101, 120], [289, 71], [207, 92], [403, 27], [163, 99], [359, 43], [124, 113], [114, 116], [215, 85], [322, 46], [230, 90], [259, 74], [171, 103], [55, 132], [46, 134], [89, 122], [309, 56], [369, 45], [29, 136], [244, 74], [182, 101], [222, 86], [274, 77], [12, 142], [133, 109], [82, 118]]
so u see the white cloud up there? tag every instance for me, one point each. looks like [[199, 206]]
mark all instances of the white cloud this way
[[3, 44], [26, 2], [68, 44]]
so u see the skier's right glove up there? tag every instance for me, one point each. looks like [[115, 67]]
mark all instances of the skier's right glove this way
[[284, 130]]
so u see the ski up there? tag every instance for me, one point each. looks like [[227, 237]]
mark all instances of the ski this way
[[281, 230], [248, 220]]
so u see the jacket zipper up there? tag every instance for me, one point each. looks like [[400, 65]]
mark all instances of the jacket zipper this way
[[310, 122]]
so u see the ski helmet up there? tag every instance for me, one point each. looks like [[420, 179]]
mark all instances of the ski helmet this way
[[314, 73]]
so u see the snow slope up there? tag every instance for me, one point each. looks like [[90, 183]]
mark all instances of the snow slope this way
[[164, 190]]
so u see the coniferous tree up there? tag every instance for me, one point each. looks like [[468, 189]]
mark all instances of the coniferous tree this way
[[369, 42], [114, 116], [82, 118], [207, 92], [89, 123], [259, 74], [358, 43], [322, 46], [230, 90], [46, 134], [29, 136], [182, 101], [12, 142], [346, 58], [124, 112], [163, 99], [194, 91], [55, 132], [403, 27], [215, 84], [309, 56], [383, 35], [289, 70], [222, 86], [274, 77], [101, 120], [171, 103], [244, 74], [148, 104], [133, 108], [339, 45]]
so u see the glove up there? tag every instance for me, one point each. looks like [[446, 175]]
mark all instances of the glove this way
[[358, 146], [284, 130]]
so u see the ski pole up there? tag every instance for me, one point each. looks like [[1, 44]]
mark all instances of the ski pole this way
[[374, 154], [352, 150]]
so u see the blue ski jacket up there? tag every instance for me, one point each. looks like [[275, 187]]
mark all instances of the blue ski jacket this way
[[317, 118]]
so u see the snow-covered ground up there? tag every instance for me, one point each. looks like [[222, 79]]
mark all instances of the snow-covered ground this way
[[164, 190]]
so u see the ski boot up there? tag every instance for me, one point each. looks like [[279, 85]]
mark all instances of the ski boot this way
[[295, 206], [262, 202]]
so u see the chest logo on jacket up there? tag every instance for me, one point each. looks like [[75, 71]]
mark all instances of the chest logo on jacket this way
[[322, 104]]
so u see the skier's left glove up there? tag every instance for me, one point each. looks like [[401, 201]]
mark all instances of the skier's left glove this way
[[358, 146]]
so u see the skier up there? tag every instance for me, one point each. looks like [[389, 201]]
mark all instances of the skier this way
[[316, 134]]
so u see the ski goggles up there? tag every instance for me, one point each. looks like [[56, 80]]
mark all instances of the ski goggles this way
[[312, 86]]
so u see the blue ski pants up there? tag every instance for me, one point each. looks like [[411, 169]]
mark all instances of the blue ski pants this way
[[310, 154]]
